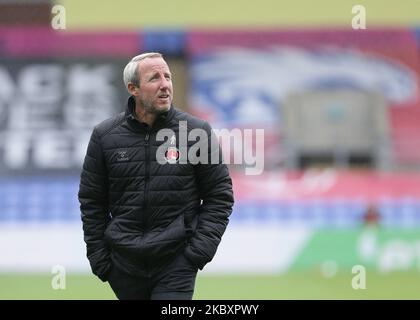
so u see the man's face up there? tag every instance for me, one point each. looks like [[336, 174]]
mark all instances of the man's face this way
[[155, 89]]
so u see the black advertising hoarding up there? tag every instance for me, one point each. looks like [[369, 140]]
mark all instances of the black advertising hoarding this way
[[54, 88], [48, 108]]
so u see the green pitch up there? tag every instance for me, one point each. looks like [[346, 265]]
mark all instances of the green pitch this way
[[290, 286]]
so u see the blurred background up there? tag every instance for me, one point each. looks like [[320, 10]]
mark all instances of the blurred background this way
[[340, 109]]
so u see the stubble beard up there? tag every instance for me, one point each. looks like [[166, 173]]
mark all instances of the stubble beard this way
[[150, 108]]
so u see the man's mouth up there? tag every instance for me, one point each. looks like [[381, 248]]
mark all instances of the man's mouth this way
[[163, 96]]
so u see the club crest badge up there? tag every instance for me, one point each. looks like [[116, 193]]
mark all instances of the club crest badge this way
[[172, 154]]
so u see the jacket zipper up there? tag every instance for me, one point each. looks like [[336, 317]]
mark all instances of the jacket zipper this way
[[146, 190], [146, 175]]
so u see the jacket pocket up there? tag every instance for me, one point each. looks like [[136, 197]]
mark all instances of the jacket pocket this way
[[124, 242], [167, 241], [158, 244]]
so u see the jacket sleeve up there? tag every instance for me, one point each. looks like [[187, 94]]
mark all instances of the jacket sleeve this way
[[94, 207], [215, 191]]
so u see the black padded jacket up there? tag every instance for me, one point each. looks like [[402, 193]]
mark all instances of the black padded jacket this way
[[137, 213]]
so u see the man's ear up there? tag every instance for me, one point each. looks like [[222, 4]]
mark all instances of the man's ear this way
[[133, 89]]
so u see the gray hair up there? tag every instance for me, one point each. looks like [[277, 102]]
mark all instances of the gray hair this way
[[131, 71]]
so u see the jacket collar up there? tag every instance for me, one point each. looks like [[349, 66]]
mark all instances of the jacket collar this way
[[161, 120]]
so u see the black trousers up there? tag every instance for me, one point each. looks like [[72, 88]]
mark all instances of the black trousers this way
[[175, 282]]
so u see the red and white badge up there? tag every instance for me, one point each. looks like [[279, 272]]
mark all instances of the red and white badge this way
[[172, 154]]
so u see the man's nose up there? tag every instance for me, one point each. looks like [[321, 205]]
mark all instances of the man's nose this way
[[165, 83]]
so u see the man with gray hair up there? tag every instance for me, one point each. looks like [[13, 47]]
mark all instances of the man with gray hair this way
[[149, 226]]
